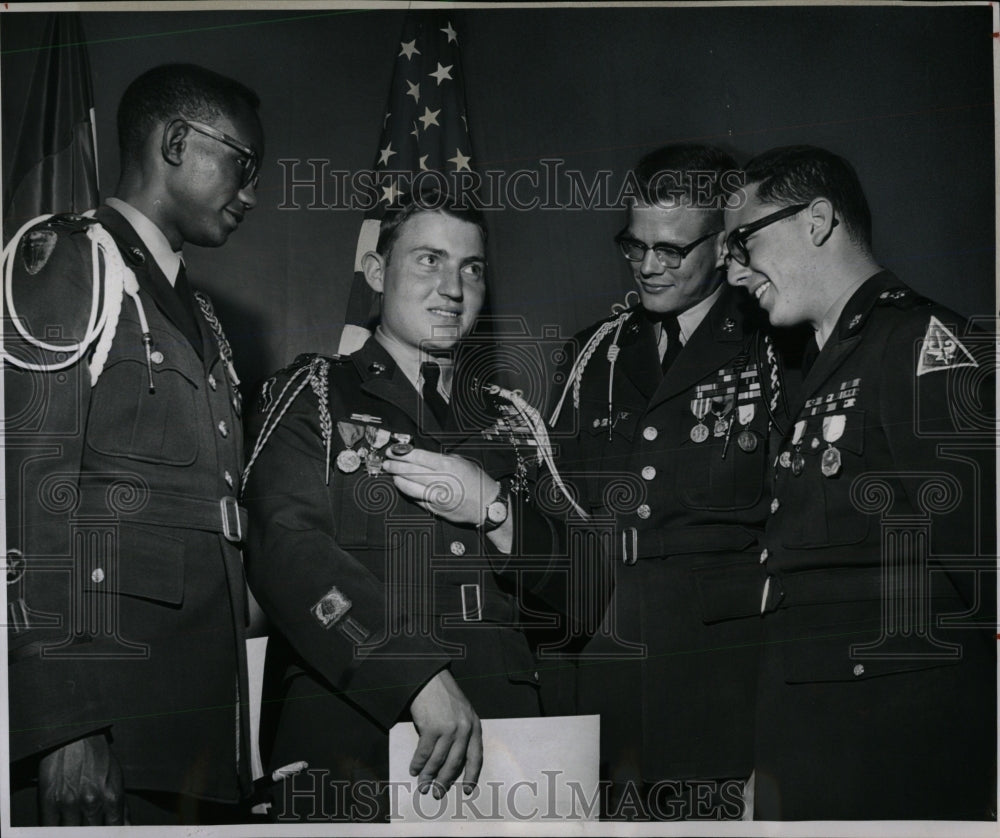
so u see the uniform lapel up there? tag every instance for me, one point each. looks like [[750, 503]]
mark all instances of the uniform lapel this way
[[637, 357], [718, 338], [149, 276], [382, 378], [846, 335]]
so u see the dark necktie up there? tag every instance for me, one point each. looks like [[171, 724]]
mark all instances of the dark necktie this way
[[673, 331], [431, 372], [186, 295], [809, 355]]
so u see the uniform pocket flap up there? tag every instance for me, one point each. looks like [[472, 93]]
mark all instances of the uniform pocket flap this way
[[150, 565], [844, 653]]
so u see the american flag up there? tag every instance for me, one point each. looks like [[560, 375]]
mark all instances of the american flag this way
[[425, 128], [55, 155]]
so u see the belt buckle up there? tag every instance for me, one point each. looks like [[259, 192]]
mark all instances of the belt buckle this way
[[630, 535], [472, 612], [230, 512]]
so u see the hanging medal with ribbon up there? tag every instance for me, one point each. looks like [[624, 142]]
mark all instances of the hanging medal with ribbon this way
[[798, 461], [349, 460], [746, 439], [833, 429], [377, 439], [721, 406], [700, 408]]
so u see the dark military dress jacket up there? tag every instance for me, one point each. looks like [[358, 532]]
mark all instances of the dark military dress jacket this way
[[878, 693], [371, 595], [126, 595], [672, 473]]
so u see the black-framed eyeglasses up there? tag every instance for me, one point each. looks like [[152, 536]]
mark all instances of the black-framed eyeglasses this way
[[736, 241], [249, 161], [669, 255]]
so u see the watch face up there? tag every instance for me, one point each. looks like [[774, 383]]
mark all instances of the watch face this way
[[497, 512]]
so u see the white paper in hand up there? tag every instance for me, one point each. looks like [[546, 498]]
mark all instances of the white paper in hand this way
[[533, 769]]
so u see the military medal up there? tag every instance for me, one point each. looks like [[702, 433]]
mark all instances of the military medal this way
[[377, 437], [746, 439], [373, 464], [721, 405], [829, 463], [349, 432], [700, 407], [833, 429], [785, 459], [401, 449], [348, 460], [798, 461]]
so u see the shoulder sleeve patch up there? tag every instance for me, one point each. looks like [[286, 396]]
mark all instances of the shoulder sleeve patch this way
[[942, 350], [331, 608], [36, 248]]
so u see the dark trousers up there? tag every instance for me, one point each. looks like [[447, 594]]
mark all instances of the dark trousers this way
[[143, 808]]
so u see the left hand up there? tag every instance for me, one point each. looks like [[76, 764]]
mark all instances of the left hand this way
[[446, 485]]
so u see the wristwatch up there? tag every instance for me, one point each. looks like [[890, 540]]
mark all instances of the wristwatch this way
[[496, 510]]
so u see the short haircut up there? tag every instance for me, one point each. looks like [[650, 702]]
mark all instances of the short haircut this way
[[173, 90], [800, 173], [427, 200], [699, 176]]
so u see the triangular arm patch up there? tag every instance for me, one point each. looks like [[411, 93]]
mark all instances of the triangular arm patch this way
[[941, 350]]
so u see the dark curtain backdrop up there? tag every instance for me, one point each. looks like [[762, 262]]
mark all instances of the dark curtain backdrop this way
[[905, 93]]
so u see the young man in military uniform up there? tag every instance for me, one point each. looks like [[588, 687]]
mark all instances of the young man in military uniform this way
[[878, 681], [385, 522], [126, 597], [664, 431]]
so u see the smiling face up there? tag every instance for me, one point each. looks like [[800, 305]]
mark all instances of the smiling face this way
[[777, 276], [433, 281], [206, 199], [675, 290]]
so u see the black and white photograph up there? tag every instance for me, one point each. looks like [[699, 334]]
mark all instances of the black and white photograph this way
[[499, 418]]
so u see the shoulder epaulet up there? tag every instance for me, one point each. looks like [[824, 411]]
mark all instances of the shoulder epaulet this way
[[304, 359], [70, 220], [280, 391], [901, 297]]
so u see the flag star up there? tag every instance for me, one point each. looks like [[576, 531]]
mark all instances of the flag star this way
[[451, 33], [423, 162], [385, 154], [390, 193], [409, 49], [441, 73], [386, 120], [429, 118], [465, 122], [460, 161], [416, 132], [414, 90]]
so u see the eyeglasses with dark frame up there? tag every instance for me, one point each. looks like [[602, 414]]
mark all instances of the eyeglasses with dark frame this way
[[249, 161], [736, 241], [669, 255]]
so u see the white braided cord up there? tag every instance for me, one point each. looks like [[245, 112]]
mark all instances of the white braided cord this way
[[102, 322], [774, 375], [319, 370], [534, 422], [575, 377], [271, 420]]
